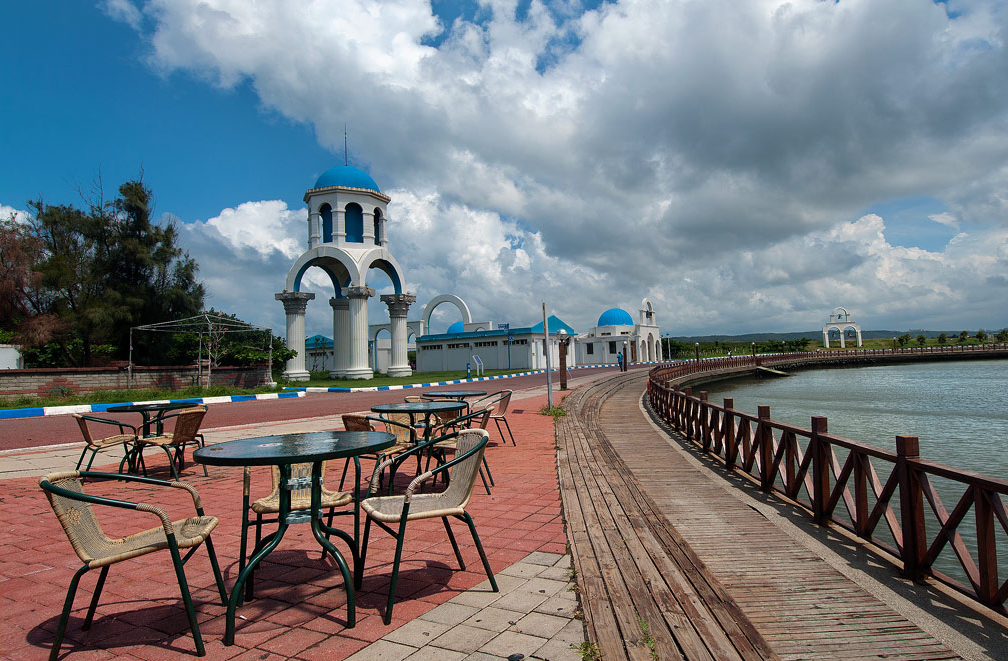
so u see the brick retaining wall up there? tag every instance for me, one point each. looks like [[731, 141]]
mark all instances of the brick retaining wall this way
[[16, 383]]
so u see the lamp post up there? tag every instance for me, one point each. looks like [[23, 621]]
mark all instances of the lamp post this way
[[696, 350]]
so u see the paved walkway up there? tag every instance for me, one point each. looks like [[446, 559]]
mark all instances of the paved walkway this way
[[299, 613]]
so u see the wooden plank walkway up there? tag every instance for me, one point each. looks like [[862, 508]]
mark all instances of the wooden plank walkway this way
[[669, 569]]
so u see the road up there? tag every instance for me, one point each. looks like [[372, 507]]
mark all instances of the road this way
[[20, 433]]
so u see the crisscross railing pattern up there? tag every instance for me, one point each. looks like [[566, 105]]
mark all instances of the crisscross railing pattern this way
[[890, 499]]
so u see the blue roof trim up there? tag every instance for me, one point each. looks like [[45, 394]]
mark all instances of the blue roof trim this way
[[40, 411]]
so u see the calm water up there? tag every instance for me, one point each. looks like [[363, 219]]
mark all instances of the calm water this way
[[959, 410]]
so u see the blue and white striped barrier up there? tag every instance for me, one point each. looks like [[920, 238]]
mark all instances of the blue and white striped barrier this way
[[39, 411]]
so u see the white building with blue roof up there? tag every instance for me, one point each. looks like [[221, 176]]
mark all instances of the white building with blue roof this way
[[616, 333]]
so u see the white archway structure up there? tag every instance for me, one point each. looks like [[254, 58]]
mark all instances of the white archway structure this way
[[347, 236], [840, 320], [446, 298]]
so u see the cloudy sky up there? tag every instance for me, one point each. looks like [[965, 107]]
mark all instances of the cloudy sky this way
[[747, 165]]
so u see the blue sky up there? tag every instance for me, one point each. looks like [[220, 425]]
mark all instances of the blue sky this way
[[746, 166]]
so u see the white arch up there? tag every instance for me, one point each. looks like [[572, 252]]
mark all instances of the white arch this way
[[446, 298], [322, 253]]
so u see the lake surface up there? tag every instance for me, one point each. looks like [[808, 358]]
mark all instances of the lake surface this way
[[958, 410]]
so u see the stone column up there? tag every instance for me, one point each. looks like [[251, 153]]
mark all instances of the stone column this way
[[341, 336], [358, 337], [398, 305], [294, 305]]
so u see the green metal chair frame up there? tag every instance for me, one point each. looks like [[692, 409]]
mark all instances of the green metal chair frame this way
[[185, 432], [500, 401], [440, 448], [406, 435], [93, 444], [412, 506], [73, 509]]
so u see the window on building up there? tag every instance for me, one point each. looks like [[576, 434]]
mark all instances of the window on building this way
[[431, 347], [326, 213], [612, 347], [521, 341], [354, 221], [486, 344], [590, 349], [459, 345], [377, 227]]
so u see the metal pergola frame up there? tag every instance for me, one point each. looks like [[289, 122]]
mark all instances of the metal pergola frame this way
[[203, 323]]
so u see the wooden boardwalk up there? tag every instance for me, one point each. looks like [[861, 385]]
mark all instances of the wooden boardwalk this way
[[670, 566]]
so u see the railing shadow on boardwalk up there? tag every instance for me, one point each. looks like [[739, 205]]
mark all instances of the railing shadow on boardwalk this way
[[888, 499], [986, 629]]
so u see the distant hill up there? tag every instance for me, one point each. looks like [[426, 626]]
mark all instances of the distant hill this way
[[812, 335]]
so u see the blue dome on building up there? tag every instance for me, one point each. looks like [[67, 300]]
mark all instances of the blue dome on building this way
[[346, 176], [457, 327], [615, 317]]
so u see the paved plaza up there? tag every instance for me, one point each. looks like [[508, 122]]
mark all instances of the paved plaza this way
[[299, 612]]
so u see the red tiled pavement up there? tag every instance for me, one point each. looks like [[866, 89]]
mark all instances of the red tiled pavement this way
[[299, 612]]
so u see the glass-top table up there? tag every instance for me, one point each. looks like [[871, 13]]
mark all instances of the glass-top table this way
[[282, 451]]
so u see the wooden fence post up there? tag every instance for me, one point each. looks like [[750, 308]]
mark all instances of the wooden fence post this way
[[764, 437], [820, 470], [705, 431], [731, 450], [987, 562], [911, 507]]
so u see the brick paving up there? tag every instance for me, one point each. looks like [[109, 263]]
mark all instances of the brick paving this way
[[300, 610]]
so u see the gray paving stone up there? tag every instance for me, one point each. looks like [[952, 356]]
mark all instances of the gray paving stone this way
[[573, 632], [464, 638], [558, 650], [562, 604], [522, 570], [512, 642], [417, 633], [538, 624], [449, 613], [431, 653], [382, 650], [557, 573], [495, 619], [475, 598], [505, 584], [545, 586], [542, 558], [521, 600]]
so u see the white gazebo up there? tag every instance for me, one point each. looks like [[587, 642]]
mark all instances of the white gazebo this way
[[347, 236], [840, 320]]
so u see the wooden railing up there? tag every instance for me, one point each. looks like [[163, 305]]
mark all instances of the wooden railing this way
[[890, 499]]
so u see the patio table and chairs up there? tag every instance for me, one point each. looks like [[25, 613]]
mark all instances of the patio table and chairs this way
[[186, 432], [285, 452]]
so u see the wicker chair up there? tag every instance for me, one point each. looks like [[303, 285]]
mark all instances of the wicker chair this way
[[126, 440], [186, 432], [439, 449], [500, 402], [386, 511], [300, 504], [97, 550], [395, 423]]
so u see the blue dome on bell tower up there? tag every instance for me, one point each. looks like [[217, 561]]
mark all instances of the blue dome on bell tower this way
[[346, 176]]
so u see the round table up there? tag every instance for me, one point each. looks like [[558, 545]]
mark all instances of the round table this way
[[454, 394], [283, 450], [426, 409]]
